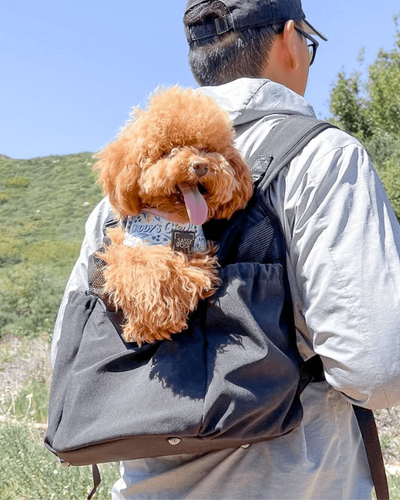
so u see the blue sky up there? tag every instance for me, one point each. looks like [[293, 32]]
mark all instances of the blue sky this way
[[73, 69]]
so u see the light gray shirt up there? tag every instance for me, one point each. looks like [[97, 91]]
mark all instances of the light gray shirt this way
[[343, 244]]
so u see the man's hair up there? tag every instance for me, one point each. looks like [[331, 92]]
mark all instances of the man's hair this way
[[222, 58]]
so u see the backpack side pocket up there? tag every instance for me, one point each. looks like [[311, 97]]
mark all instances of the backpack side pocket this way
[[78, 310]]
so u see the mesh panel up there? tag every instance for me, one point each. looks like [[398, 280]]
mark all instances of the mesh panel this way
[[260, 243], [96, 274], [255, 237], [96, 282]]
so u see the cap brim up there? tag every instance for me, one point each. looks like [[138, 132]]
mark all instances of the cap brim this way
[[310, 29]]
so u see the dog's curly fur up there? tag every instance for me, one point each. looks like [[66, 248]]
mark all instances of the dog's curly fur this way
[[182, 139]]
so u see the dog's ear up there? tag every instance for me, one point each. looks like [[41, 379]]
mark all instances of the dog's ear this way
[[119, 174], [244, 190]]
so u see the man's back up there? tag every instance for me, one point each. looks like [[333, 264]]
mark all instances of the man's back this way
[[324, 457]]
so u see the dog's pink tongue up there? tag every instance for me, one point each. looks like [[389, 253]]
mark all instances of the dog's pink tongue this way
[[196, 205]]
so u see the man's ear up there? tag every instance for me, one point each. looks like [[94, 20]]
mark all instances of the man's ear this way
[[291, 45]]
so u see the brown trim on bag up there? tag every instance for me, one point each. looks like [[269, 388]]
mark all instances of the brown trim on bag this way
[[149, 446]]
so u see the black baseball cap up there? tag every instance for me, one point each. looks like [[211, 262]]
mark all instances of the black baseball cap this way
[[244, 14]]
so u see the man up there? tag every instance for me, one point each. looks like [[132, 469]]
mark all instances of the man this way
[[343, 258], [343, 244]]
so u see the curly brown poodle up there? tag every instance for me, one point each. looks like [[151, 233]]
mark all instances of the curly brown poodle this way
[[177, 160]]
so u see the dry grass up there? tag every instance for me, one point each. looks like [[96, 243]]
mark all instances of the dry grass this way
[[20, 359], [388, 422]]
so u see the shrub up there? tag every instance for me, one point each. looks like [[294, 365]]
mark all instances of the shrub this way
[[17, 182], [29, 299], [369, 108]]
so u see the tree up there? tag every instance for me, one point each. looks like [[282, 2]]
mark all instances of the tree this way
[[369, 108]]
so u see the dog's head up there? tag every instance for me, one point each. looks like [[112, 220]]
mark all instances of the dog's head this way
[[177, 156]]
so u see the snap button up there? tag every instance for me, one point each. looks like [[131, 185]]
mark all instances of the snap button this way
[[245, 446], [174, 441]]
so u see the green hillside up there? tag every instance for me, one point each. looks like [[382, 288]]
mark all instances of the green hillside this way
[[44, 203]]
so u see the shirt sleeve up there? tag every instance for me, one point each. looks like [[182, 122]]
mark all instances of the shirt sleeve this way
[[344, 249], [78, 280]]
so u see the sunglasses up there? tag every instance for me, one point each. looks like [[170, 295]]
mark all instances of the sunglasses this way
[[311, 43]]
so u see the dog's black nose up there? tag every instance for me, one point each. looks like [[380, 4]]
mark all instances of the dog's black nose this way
[[200, 168]]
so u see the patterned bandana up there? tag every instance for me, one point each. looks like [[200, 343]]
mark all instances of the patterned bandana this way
[[150, 229]]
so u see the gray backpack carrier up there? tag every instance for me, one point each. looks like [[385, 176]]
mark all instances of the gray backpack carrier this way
[[232, 379]]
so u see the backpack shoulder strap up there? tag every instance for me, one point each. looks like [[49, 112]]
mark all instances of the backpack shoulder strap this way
[[110, 222], [285, 141], [278, 148], [369, 433]]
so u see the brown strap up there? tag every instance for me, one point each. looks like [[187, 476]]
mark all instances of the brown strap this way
[[369, 432], [96, 481]]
